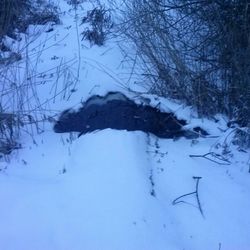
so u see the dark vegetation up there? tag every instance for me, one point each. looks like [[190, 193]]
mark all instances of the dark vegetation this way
[[75, 3], [17, 15], [100, 25], [194, 51], [116, 111], [16, 93]]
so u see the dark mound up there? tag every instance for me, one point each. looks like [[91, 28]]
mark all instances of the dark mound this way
[[116, 111]]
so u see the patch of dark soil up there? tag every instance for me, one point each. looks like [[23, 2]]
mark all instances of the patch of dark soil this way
[[200, 131], [116, 111]]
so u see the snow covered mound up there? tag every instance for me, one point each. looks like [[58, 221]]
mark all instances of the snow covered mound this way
[[117, 111]]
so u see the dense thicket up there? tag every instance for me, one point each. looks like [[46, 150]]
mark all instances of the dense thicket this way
[[18, 14], [196, 51], [10, 10]]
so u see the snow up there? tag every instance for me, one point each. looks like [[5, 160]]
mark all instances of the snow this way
[[97, 100], [114, 189], [95, 193]]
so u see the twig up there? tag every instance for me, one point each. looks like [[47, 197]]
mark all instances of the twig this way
[[219, 246], [196, 193], [216, 156]]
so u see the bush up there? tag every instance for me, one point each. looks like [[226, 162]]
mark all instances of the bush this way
[[100, 23], [19, 14], [17, 92], [10, 12], [8, 124], [194, 51]]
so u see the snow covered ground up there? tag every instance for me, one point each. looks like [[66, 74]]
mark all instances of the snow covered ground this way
[[114, 190]]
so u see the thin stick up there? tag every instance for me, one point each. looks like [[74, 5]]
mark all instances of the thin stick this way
[[217, 156], [196, 193]]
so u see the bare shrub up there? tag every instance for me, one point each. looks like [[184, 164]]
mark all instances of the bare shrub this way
[[19, 14], [10, 11], [100, 23], [242, 138], [42, 15], [20, 107], [194, 51], [8, 137]]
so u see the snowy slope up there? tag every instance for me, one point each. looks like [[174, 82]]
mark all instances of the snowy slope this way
[[101, 202], [114, 189], [95, 193]]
